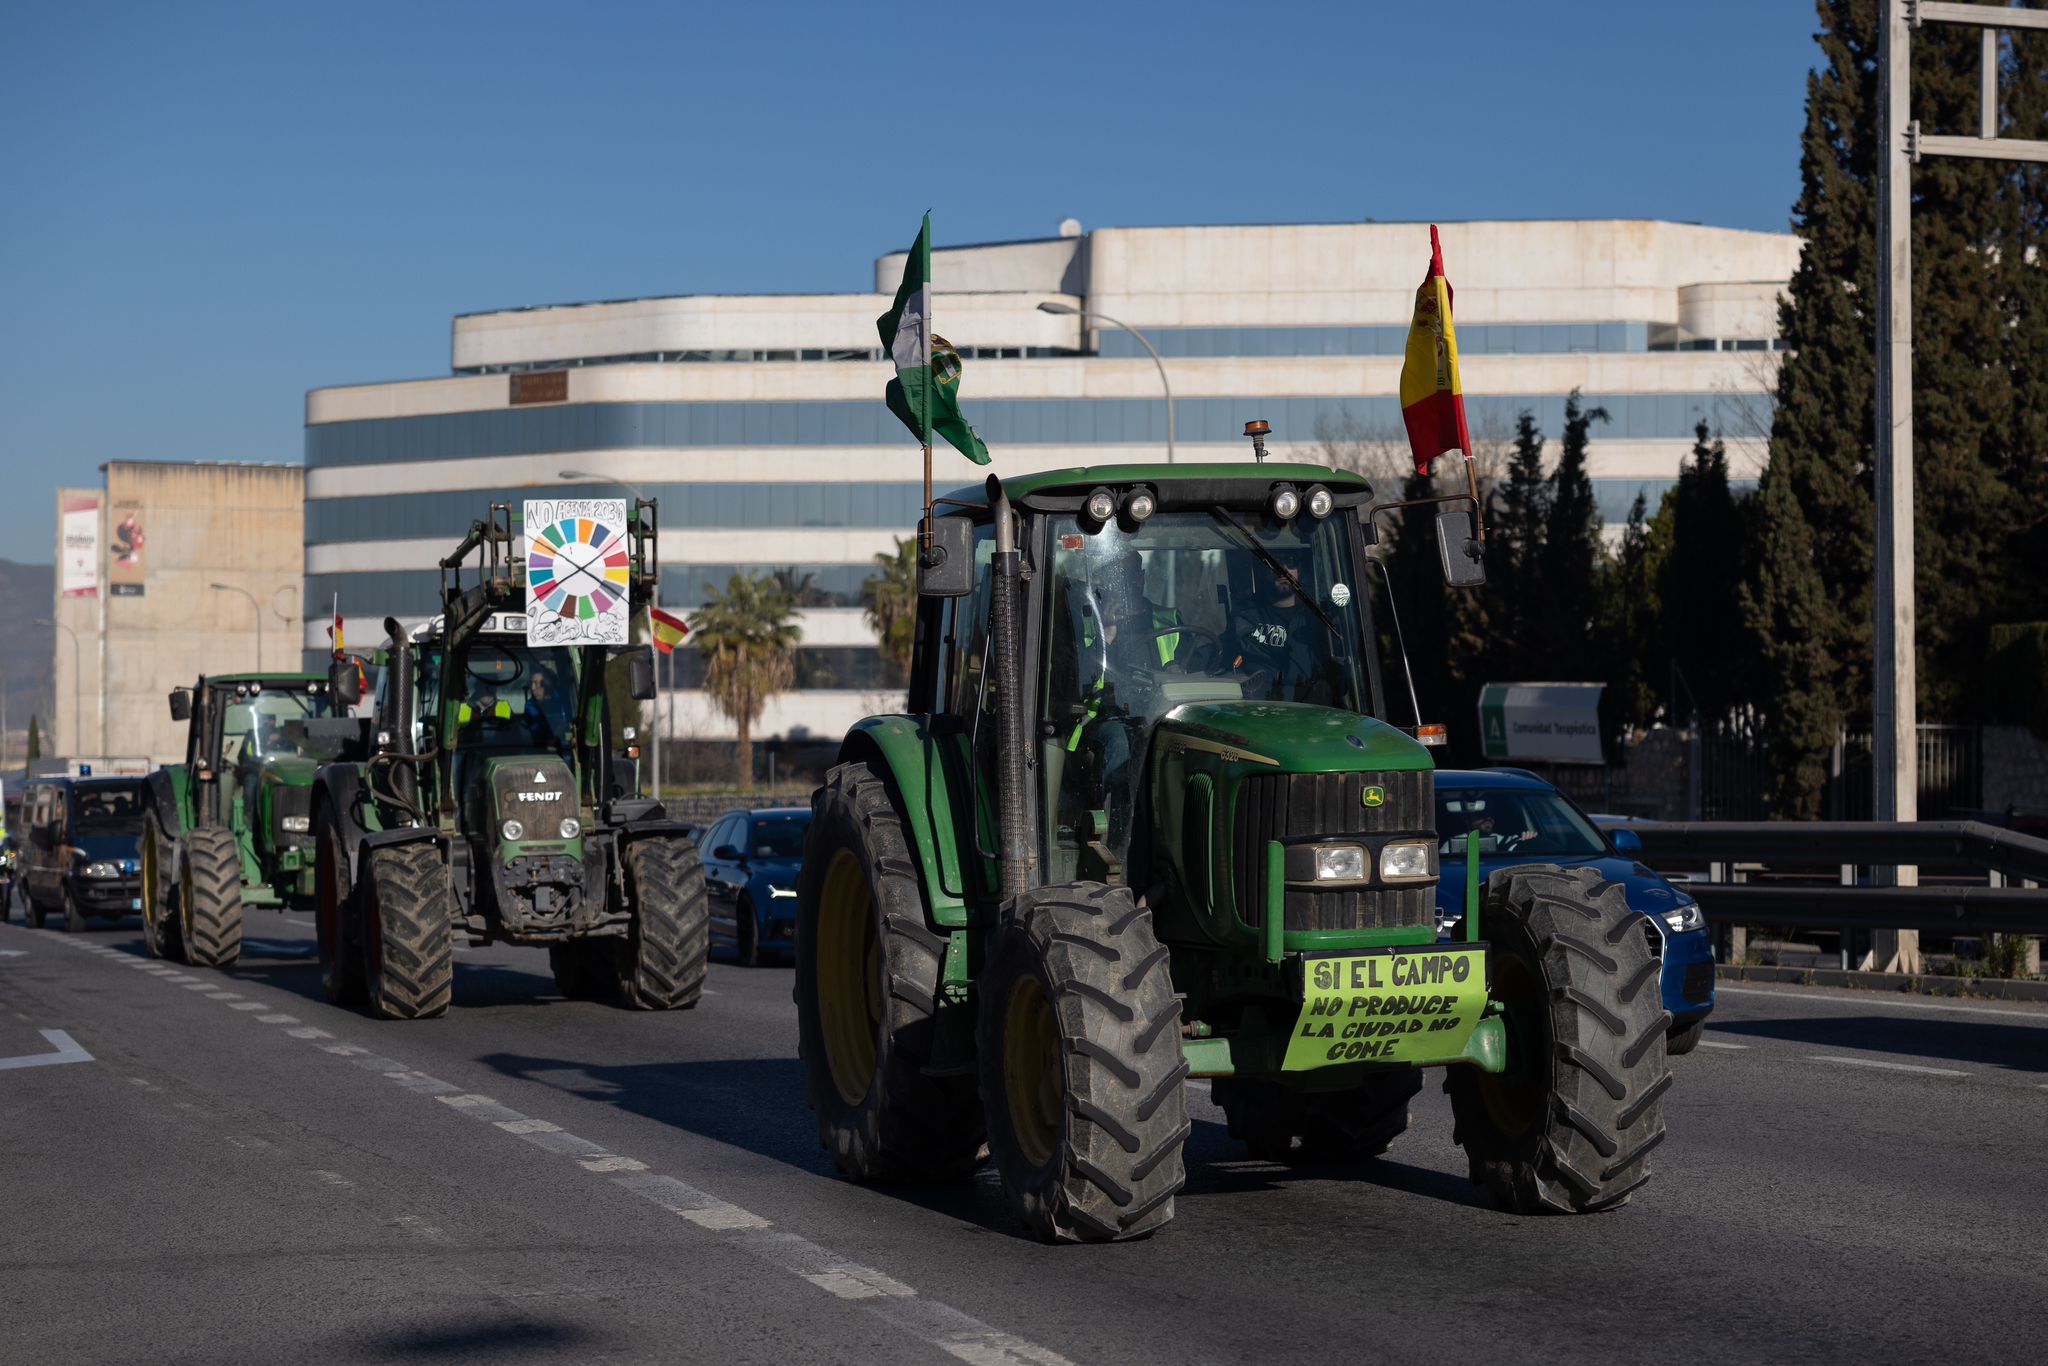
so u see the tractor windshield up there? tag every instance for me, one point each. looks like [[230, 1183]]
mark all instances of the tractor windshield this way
[[1190, 606], [516, 696], [276, 722]]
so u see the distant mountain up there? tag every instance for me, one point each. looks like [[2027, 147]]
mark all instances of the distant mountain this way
[[26, 592]]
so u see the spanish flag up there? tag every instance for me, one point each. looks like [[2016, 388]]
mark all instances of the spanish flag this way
[[668, 630], [1432, 398]]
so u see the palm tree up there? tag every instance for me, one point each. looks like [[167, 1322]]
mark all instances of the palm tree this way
[[748, 638], [891, 601]]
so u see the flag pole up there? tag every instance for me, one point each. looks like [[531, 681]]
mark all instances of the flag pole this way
[[1478, 508], [926, 535]]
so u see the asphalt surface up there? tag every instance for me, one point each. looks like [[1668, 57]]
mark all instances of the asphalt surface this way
[[243, 1173]]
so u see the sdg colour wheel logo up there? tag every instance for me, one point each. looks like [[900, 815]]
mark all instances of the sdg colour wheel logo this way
[[578, 572]]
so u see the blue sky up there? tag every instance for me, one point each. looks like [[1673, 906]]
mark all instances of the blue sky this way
[[206, 210]]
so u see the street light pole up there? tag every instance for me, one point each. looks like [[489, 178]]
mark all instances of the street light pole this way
[[1059, 309], [638, 497], [255, 607], [77, 712], [288, 619]]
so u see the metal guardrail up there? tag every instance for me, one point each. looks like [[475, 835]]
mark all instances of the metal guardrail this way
[[1840, 848]]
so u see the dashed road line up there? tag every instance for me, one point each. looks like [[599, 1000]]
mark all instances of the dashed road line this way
[[1887, 1066], [248, 1005], [1731, 1047], [277, 1019]]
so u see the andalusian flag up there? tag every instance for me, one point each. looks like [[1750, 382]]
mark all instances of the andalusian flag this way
[[668, 630], [1432, 398], [925, 392]]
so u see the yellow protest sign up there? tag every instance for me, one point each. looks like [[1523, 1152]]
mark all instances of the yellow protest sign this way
[[1388, 1006]]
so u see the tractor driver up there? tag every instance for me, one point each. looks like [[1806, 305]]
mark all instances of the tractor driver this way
[[547, 709], [1122, 645], [1281, 637]]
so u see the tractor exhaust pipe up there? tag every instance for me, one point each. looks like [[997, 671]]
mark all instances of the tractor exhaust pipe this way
[[1017, 832], [404, 780]]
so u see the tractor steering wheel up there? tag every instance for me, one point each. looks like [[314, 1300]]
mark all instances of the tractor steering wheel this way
[[1205, 638]]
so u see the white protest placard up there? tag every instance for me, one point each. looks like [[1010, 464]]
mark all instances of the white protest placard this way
[[578, 571]]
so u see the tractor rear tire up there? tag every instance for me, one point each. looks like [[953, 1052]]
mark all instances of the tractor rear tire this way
[[665, 955], [159, 917], [1569, 1126], [337, 911], [1684, 1039], [585, 969], [408, 932], [1082, 1070], [868, 976], [210, 897], [1300, 1129]]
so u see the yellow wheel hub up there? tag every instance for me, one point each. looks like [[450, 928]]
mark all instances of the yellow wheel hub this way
[[849, 977], [1032, 1077]]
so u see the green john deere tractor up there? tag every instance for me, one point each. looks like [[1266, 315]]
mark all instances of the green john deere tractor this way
[[1152, 818], [230, 826], [501, 803]]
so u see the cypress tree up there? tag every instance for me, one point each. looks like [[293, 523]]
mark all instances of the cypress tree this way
[[1700, 578], [1571, 553], [1514, 558]]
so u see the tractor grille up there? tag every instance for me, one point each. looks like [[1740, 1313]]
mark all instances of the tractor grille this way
[[290, 801], [541, 806], [1291, 806]]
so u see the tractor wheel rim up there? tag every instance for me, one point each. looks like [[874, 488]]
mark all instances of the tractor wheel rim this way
[[1516, 1099], [149, 877], [849, 977], [1032, 1080]]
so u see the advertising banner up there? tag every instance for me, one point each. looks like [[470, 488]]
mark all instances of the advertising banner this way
[[78, 569], [124, 550], [578, 571], [1553, 723]]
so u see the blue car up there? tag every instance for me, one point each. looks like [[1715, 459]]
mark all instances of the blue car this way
[[1519, 818], [750, 865]]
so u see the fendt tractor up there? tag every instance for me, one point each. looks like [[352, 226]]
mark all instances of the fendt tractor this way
[[498, 804], [1150, 819], [230, 826]]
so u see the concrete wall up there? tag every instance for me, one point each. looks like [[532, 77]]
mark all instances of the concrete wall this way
[[239, 525]]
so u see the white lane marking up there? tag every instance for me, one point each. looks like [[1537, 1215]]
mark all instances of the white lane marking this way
[[67, 1051], [528, 1126], [13, 953], [2039, 1017], [308, 1032], [346, 1050], [1887, 1066], [199, 986], [277, 1019], [464, 1102], [223, 996], [849, 1283], [334, 1179], [248, 1005], [609, 1163], [1731, 1047]]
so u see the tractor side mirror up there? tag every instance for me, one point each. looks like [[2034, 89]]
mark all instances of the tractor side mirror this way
[[345, 682], [640, 675], [181, 704], [945, 568], [1464, 559]]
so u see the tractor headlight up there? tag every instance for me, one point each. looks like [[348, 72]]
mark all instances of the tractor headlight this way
[[1340, 863], [1405, 861], [1140, 504], [1320, 502], [296, 825], [1285, 502], [1686, 918], [101, 870], [571, 827], [1099, 506], [513, 830]]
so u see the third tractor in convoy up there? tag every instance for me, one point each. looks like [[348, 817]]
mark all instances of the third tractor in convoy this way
[[498, 804], [1152, 815]]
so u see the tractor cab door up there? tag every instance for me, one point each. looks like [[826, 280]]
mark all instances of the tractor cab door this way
[[952, 683]]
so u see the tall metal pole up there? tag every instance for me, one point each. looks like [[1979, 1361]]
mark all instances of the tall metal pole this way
[[1894, 729], [1053, 306], [255, 607]]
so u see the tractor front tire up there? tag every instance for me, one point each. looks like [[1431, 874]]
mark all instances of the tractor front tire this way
[[1569, 1126], [1081, 1065], [336, 913], [160, 937], [210, 897], [1300, 1129], [408, 933], [868, 977], [664, 957]]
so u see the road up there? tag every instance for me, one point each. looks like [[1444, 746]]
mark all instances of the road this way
[[243, 1173]]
